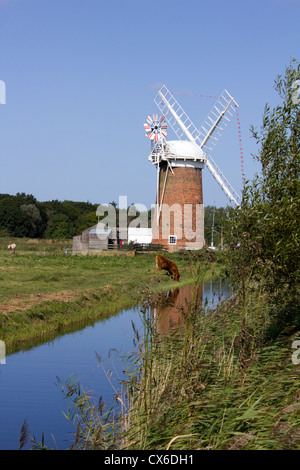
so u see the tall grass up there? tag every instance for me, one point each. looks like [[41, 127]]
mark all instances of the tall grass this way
[[219, 382], [211, 383], [205, 395], [222, 380]]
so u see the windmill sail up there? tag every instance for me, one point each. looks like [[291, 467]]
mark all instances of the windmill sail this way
[[209, 133], [175, 115], [217, 120]]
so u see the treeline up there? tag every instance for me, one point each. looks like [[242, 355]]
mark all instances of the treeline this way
[[23, 216]]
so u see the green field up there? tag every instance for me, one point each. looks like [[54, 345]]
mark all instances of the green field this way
[[222, 381], [43, 291]]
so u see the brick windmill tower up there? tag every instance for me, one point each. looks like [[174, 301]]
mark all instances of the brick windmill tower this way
[[178, 220]]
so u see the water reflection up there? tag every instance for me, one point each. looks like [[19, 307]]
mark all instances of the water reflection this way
[[170, 309]]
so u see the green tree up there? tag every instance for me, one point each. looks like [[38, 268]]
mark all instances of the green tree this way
[[86, 220], [215, 219], [265, 229], [60, 227], [21, 216], [32, 219]]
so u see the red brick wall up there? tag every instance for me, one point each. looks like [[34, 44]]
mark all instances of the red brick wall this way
[[183, 187]]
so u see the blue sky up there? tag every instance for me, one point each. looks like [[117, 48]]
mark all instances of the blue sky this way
[[81, 77]]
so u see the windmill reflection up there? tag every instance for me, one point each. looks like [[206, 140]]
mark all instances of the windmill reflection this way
[[169, 311]]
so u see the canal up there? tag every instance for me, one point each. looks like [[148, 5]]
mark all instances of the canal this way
[[31, 380]]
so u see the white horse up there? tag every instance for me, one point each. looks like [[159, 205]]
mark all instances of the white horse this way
[[12, 247]]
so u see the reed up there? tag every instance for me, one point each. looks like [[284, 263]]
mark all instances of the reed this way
[[208, 391], [224, 380], [198, 387]]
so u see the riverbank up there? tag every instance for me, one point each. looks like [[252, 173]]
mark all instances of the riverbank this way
[[44, 292], [224, 381]]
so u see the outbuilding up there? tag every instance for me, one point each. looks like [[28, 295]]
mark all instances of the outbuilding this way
[[93, 239]]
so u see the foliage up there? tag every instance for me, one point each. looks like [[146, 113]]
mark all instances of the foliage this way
[[185, 389], [215, 221], [197, 397], [265, 229], [60, 227], [23, 216]]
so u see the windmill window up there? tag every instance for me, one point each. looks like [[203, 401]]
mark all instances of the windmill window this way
[[172, 240]]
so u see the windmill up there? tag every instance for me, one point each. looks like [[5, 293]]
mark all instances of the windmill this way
[[179, 165]]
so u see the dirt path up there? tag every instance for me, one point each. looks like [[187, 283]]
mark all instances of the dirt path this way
[[23, 302]]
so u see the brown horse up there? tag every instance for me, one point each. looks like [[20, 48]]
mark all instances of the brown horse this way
[[164, 263]]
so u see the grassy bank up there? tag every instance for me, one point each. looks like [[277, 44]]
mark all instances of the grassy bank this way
[[222, 381], [44, 292]]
